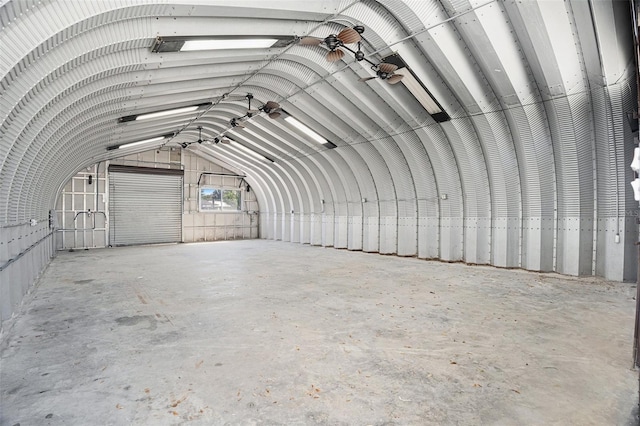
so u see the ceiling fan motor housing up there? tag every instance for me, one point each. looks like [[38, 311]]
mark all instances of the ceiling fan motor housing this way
[[332, 42]]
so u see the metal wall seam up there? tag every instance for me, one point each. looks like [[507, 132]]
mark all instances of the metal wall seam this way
[[76, 96], [294, 71], [384, 26], [313, 171], [412, 14], [283, 193], [502, 165], [561, 118], [49, 90], [451, 203], [38, 138], [52, 155], [61, 25], [361, 157], [333, 167], [583, 131], [261, 189], [445, 168], [363, 186], [276, 198], [259, 180], [290, 176], [283, 86], [574, 249], [537, 173], [294, 168], [381, 138], [621, 101]]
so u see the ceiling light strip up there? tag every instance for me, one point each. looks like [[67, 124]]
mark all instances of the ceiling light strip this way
[[224, 44], [250, 152], [309, 132], [167, 112], [163, 113], [131, 144]]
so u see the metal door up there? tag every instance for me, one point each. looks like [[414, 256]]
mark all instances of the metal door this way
[[145, 205]]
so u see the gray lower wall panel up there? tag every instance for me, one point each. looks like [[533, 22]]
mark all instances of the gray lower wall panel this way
[[407, 236], [355, 233], [287, 225], [451, 238], [428, 237], [341, 231], [328, 230], [32, 247], [505, 242], [315, 229], [278, 221], [615, 260], [294, 233], [574, 254], [537, 244], [370, 234], [477, 240], [388, 235], [305, 228]]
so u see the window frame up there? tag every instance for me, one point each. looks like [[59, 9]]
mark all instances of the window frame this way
[[222, 190]]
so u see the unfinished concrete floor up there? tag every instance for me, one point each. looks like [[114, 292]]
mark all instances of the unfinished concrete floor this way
[[263, 332]]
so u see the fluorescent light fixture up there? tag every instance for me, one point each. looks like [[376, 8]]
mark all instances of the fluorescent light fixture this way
[[167, 112], [130, 144], [307, 131], [418, 89], [198, 43], [251, 152], [163, 113], [222, 44]]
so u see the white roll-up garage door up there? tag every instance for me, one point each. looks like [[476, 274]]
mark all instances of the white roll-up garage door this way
[[145, 205]]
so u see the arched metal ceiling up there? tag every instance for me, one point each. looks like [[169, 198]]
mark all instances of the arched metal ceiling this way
[[531, 170]]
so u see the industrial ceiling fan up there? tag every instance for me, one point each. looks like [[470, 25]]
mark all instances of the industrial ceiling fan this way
[[336, 42], [237, 121], [385, 71], [271, 108], [222, 139]]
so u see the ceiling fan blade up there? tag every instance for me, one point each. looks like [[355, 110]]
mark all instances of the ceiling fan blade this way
[[388, 68], [225, 141], [366, 78], [271, 105], [335, 55], [310, 41], [395, 78], [273, 115], [349, 36]]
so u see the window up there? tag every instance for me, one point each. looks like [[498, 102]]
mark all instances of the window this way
[[220, 199]]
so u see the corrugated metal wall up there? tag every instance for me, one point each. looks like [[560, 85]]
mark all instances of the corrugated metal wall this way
[[531, 171]]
